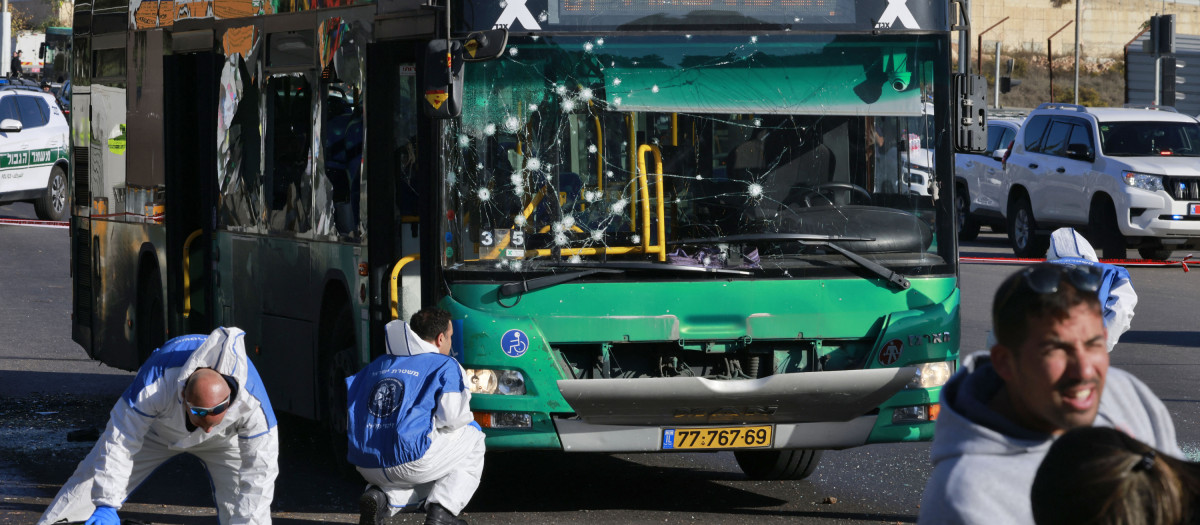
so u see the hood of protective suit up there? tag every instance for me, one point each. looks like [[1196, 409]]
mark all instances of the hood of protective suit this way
[[403, 341], [968, 392], [224, 351], [1066, 242]]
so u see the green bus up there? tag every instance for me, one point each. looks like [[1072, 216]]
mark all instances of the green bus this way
[[659, 226]]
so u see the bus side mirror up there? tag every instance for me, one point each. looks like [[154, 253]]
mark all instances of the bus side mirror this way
[[42, 50], [485, 45], [443, 74], [970, 113]]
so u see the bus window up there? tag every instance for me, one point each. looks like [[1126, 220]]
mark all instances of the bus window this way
[[240, 148], [287, 186], [342, 128]]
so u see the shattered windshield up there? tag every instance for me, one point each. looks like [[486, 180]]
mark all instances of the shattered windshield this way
[[657, 148]]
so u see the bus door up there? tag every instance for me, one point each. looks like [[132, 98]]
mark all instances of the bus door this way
[[190, 102], [399, 182]]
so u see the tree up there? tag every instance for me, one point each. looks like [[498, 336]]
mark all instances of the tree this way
[[21, 21]]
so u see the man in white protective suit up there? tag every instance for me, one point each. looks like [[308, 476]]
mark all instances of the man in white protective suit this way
[[1117, 298], [198, 395], [412, 434]]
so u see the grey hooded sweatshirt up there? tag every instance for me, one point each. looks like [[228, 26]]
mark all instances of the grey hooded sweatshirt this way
[[984, 464]]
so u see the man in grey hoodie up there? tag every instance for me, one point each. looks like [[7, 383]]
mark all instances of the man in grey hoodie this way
[[1047, 373]]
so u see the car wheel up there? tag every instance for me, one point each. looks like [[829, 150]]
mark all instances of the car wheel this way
[[1106, 235], [968, 227], [778, 464], [52, 206], [1022, 231], [1154, 253]]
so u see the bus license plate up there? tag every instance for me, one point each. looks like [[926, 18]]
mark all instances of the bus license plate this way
[[718, 438]]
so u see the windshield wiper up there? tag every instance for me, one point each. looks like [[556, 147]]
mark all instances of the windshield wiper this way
[[895, 279], [652, 266], [537, 283]]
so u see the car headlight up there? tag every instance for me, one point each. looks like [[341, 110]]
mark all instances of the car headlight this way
[[931, 375], [503, 382], [1143, 181]]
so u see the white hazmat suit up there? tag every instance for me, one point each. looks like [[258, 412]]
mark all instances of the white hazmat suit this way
[[412, 433], [1117, 297], [148, 426]]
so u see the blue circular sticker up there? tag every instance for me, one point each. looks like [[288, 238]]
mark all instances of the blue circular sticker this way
[[514, 343], [386, 397]]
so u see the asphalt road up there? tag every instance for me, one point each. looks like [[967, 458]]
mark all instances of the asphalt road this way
[[49, 387]]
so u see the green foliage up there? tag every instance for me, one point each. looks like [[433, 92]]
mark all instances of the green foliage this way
[[1087, 96]]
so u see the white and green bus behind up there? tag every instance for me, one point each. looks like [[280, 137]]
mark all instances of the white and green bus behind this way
[[658, 227]]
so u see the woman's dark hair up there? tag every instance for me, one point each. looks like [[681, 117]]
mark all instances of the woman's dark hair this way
[[1103, 476]]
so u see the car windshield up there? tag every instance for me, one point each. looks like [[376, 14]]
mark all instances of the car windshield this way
[[622, 148], [1145, 139]]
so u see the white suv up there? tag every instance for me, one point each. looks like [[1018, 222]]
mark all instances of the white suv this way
[[1126, 176], [980, 185], [34, 140]]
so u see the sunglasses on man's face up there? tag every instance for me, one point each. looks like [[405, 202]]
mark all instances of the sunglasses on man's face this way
[[211, 411]]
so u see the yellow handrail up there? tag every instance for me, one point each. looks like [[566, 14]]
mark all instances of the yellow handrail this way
[[187, 277], [661, 247], [395, 282], [674, 129], [599, 155]]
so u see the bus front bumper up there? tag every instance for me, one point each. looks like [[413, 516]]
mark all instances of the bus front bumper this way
[[806, 397]]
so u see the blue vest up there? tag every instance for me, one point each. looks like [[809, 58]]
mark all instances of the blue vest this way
[[391, 404]]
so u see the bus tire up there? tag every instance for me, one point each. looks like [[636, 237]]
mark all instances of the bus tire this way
[[150, 328], [337, 363], [52, 205], [793, 464]]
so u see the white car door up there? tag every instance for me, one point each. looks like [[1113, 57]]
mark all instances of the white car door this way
[[1065, 168], [39, 151], [992, 188], [13, 173]]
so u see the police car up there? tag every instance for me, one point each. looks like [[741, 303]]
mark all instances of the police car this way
[[34, 141]]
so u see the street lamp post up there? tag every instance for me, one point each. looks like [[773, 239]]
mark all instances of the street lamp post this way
[[979, 46], [1078, 8]]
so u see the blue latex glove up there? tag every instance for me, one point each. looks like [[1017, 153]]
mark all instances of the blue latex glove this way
[[104, 516]]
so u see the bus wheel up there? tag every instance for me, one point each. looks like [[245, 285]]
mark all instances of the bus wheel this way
[[150, 327], [337, 363], [778, 464]]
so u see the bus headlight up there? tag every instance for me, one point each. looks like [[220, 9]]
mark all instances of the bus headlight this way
[[931, 375], [503, 382]]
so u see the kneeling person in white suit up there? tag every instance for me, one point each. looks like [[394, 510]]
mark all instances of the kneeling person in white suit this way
[[198, 395], [412, 435]]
